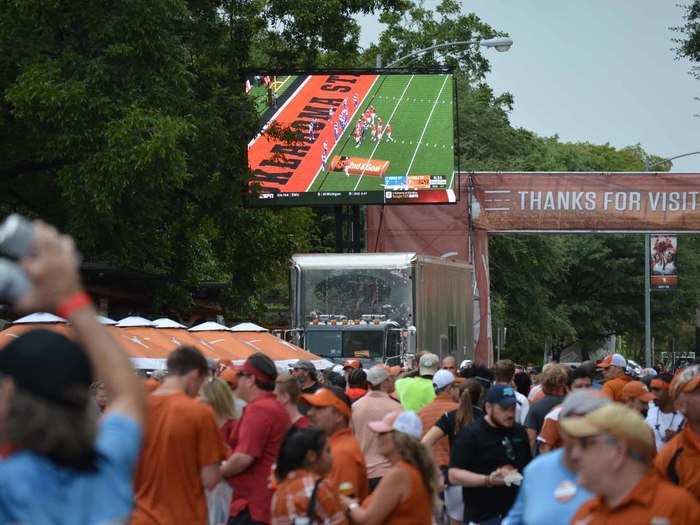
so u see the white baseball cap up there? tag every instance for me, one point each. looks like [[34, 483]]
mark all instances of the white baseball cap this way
[[465, 364], [405, 422], [443, 378], [613, 360]]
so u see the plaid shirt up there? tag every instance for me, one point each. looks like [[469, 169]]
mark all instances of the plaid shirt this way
[[291, 500]]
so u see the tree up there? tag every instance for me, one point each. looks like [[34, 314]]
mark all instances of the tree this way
[[125, 124], [417, 27], [689, 42], [688, 45]]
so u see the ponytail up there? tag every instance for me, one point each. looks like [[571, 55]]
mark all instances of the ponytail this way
[[414, 452]]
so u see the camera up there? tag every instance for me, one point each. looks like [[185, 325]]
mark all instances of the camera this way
[[16, 236], [13, 282]]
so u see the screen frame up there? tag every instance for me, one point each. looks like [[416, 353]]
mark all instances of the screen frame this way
[[253, 201]]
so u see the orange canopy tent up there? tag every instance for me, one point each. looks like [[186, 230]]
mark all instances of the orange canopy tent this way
[[220, 340], [163, 333], [259, 339], [31, 322], [148, 343]]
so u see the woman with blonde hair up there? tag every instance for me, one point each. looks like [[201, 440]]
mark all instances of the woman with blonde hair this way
[[217, 394], [407, 493], [288, 391]]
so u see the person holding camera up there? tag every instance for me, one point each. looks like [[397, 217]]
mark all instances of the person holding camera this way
[[64, 466]]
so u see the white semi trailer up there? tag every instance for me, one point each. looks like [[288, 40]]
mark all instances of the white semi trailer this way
[[381, 306]]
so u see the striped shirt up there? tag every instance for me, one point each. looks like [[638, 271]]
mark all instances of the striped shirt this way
[[293, 495]]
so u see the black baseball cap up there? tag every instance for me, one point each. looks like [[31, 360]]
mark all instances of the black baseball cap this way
[[503, 395], [47, 365]]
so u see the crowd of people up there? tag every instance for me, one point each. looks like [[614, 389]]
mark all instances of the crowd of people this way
[[84, 439]]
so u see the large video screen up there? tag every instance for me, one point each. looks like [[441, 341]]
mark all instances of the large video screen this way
[[379, 137]]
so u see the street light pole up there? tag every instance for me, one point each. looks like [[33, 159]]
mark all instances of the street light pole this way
[[500, 44], [647, 269]]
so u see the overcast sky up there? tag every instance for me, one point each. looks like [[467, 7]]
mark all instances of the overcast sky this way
[[593, 71]]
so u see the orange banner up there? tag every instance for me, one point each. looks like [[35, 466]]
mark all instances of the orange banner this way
[[537, 202], [359, 165]]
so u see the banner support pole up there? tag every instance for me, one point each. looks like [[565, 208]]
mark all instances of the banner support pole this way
[[647, 302]]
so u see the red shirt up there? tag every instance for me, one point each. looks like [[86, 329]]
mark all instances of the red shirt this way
[[355, 393], [259, 434], [302, 422]]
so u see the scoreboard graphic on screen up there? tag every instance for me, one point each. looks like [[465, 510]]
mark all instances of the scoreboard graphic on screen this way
[[375, 137]]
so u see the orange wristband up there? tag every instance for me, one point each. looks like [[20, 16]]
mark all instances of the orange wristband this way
[[75, 302]]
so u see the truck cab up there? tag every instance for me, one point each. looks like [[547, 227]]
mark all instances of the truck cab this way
[[337, 340]]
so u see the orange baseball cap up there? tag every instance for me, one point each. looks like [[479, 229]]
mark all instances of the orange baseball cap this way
[[323, 397], [613, 360], [230, 376], [637, 390], [660, 384], [352, 363]]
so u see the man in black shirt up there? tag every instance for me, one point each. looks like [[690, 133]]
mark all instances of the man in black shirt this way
[[305, 373], [486, 457]]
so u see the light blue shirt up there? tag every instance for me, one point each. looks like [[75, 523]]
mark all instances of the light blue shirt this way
[[548, 494], [36, 491]]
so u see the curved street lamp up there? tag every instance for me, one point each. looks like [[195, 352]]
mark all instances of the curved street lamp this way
[[499, 44], [648, 166]]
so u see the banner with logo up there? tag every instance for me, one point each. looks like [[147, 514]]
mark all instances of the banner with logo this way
[[662, 262], [585, 202]]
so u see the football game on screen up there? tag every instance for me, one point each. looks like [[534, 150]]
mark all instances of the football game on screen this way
[[353, 138]]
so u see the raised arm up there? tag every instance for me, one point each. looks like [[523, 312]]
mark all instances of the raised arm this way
[[53, 270]]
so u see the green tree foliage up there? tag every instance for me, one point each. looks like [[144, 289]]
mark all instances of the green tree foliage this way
[[688, 45], [124, 123], [417, 27], [689, 41]]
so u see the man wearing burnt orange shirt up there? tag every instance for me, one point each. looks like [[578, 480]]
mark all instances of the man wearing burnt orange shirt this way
[[445, 393], [614, 367], [614, 447], [182, 449], [679, 460], [330, 411]]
